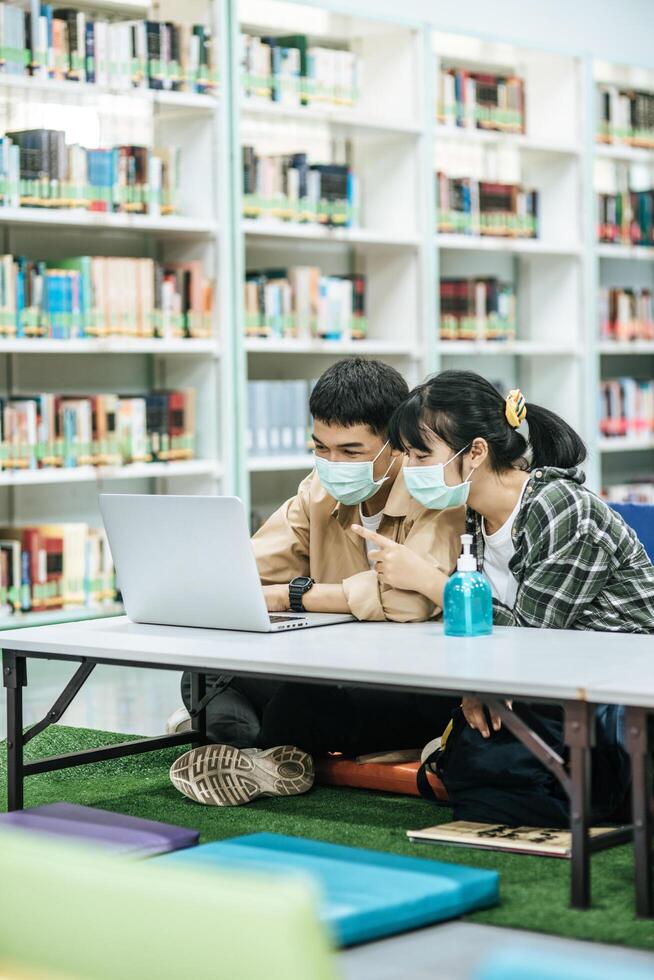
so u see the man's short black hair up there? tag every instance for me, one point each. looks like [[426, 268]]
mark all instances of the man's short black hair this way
[[355, 391]]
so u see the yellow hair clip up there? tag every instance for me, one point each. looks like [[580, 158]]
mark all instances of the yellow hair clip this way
[[515, 408]]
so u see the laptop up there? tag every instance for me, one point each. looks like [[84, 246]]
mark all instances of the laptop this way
[[188, 561]]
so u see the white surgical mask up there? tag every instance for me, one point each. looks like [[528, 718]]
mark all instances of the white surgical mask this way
[[350, 483], [427, 485]]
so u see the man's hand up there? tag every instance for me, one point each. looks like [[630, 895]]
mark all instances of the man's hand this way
[[396, 564], [277, 598], [473, 711]]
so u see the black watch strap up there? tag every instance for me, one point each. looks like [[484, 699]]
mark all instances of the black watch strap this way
[[297, 587]]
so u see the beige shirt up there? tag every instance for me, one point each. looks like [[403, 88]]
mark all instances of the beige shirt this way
[[311, 535]]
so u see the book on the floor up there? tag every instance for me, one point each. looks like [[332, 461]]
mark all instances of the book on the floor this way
[[544, 841], [115, 832]]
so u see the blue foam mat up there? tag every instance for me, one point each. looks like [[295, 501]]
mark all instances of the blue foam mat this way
[[365, 894]]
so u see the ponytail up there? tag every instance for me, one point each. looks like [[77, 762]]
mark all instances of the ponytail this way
[[461, 406]]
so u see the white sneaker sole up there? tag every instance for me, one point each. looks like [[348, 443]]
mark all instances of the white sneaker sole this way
[[221, 775]]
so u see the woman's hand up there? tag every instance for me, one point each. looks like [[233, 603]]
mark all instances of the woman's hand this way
[[474, 714], [396, 565], [277, 598]]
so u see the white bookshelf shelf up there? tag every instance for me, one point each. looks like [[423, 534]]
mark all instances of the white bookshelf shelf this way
[[520, 141], [622, 151], [523, 348], [380, 348], [78, 92], [173, 226], [92, 474], [514, 246], [608, 347], [72, 614], [111, 345], [123, 8], [625, 445], [346, 119], [272, 464], [254, 228], [642, 253]]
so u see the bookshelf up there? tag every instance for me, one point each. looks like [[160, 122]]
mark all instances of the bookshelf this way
[[618, 162], [381, 137], [394, 144], [198, 232]]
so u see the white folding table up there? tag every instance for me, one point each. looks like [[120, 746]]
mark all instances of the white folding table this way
[[571, 668]]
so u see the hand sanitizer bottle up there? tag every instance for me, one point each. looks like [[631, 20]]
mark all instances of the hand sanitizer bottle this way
[[467, 601]]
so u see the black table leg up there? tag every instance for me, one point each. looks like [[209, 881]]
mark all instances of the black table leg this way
[[14, 678], [198, 692], [580, 737], [638, 746]]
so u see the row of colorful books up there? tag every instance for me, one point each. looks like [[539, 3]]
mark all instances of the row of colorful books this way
[[477, 309], [50, 566], [88, 297], [289, 187], [303, 302], [278, 418], [471, 207], [290, 71], [47, 430], [69, 45], [38, 168], [626, 314], [640, 491], [627, 408], [626, 218], [625, 116], [480, 100]]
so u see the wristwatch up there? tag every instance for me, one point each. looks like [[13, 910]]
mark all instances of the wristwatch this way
[[296, 589]]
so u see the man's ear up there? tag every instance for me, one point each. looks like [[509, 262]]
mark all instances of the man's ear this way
[[396, 452]]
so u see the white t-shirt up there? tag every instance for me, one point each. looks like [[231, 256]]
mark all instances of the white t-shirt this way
[[371, 524], [498, 552]]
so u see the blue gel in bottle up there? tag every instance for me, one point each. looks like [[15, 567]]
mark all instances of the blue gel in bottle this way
[[467, 599]]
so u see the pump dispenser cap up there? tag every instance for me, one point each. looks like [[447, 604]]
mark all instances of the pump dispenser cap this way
[[467, 561]]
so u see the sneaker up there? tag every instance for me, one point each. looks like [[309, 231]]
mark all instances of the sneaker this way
[[221, 775], [179, 721]]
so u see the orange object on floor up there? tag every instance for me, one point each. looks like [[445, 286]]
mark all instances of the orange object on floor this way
[[394, 778]]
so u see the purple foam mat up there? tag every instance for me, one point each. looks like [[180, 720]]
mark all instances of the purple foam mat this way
[[117, 832]]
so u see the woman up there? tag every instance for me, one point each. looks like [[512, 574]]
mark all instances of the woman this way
[[555, 554]]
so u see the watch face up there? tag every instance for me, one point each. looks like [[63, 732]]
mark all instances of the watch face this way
[[301, 582]]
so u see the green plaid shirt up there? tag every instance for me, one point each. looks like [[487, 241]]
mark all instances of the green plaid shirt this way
[[576, 562]]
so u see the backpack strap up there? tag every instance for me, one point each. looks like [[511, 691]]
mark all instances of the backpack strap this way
[[422, 779]]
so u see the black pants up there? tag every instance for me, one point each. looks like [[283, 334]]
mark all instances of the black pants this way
[[320, 718]]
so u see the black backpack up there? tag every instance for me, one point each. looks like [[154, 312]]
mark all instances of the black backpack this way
[[498, 780]]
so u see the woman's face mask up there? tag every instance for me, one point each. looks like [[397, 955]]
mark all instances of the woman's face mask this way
[[350, 483], [427, 485]]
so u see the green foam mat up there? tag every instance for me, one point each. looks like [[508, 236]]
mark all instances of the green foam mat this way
[[534, 891]]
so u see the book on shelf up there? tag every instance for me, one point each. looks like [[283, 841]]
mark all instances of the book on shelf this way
[[477, 309], [67, 44], [626, 314], [544, 841], [474, 207], [55, 431], [637, 491], [301, 302], [625, 115], [278, 418], [625, 203], [90, 297], [626, 409], [291, 188], [50, 566], [39, 169], [480, 100], [292, 72]]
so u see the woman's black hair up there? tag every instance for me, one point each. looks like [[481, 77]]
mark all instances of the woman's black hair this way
[[460, 406]]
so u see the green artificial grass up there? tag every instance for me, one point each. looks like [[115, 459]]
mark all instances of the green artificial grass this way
[[534, 890]]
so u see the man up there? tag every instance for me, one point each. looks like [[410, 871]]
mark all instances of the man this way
[[357, 480]]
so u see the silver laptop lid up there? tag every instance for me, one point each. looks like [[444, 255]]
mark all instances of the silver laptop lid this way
[[185, 561]]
